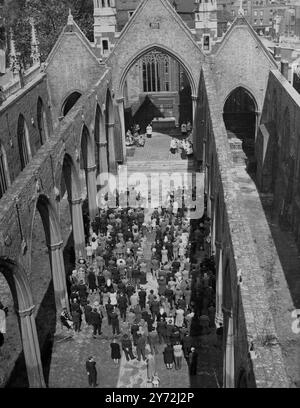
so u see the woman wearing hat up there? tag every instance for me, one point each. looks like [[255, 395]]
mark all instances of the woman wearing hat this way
[[169, 356], [115, 351]]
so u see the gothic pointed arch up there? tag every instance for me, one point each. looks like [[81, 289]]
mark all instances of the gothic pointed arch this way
[[17, 280], [101, 145], [42, 121], [4, 171], [69, 102], [23, 142]]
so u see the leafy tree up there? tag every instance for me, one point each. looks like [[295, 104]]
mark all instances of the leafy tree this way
[[50, 17]]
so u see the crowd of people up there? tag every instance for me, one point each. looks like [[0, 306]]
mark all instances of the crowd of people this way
[[163, 294], [134, 137], [184, 145]]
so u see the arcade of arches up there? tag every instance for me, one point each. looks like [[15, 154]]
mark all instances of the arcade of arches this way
[[157, 89], [96, 156]]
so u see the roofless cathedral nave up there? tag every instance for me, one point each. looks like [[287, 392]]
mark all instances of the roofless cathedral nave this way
[[63, 124]]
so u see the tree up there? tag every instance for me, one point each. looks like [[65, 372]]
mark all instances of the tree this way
[[50, 17]]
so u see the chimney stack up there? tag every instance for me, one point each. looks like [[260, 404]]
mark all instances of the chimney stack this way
[[277, 53], [285, 69]]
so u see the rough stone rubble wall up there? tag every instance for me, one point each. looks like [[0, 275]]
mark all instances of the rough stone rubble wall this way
[[252, 305]]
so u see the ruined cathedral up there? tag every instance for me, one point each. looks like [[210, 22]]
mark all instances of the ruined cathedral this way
[[63, 123]]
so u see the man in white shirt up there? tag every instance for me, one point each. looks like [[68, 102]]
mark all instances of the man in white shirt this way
[[149, 130]]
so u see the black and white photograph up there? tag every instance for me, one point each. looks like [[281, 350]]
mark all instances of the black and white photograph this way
[[149, 197]]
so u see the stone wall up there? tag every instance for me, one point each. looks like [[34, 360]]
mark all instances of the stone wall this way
[[277, 151], [244, 293], [18, 205], [155, 24], [71, 66], [240, 59], [23, 102]]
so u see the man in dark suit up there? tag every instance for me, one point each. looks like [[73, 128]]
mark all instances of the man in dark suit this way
[[109, 309], [114, 317], [142, 298], [193, 361], [141, 347], [122, 304], [96, 321], [90, 366], [127, 347]]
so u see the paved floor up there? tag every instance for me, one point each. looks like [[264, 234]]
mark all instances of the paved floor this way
[[156, 148], [70, 353]]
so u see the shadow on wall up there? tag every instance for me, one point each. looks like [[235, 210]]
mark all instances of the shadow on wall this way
[[185, 105], [146, 112]]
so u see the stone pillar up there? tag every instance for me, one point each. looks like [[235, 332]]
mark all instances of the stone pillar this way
[[78, 229], [92, 190], [194, 106], [213, 225], [103, 157], [284, 68], [59, 276], [31, 349], [219, 285], [122, 123], [206, 178], [208, 190], [228, 371], [257, 122], [111, 147]]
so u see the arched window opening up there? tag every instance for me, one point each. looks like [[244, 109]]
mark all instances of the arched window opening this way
[[42, 122], [157, 90], [4, 174], [70, 102], [240, 120], [23, 142]]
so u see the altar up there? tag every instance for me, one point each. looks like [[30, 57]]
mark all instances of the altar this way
[[163, 123]]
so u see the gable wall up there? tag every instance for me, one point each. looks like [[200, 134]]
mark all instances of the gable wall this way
[[72, 67], [139, 36], [241, 62]]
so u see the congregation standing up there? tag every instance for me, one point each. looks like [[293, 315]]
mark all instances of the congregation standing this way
[[111, 283]]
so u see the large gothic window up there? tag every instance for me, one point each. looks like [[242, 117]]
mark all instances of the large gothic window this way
[[156, 72], [23, 142]]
